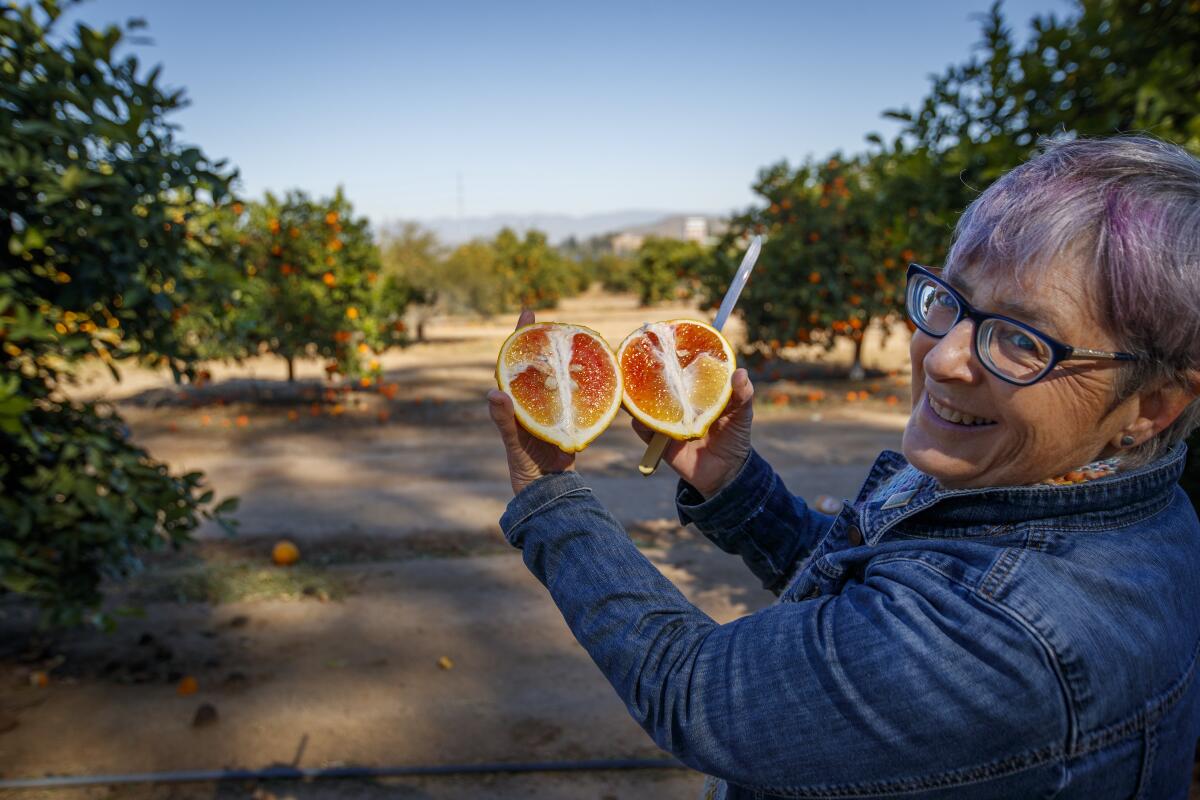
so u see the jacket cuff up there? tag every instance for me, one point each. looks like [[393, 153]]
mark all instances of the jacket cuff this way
[[736, 502], [536, 497]]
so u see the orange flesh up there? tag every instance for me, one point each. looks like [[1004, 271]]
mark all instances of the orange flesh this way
[[711, 377], [645, 382], [695, 340], [643, 372], [529, 387], [596, 379]]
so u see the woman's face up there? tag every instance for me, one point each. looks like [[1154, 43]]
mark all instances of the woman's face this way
[[1028, 433]]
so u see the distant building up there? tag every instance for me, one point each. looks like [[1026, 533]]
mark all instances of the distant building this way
[[695, 229], [687, 228], [625, 243]]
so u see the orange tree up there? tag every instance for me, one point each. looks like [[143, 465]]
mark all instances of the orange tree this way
[[666, 269], [825, 270], [472, 280], [312, 284], [510, 272], [1107, 66], [535, 274], [99, 213], [615, 272], [412, 262]]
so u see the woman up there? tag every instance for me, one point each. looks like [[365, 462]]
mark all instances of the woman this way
[[1012, 607]]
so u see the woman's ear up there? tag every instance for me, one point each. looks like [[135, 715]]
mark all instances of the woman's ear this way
[[1158, 408]]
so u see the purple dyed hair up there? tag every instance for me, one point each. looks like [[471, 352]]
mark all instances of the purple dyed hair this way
[[1130, 207]]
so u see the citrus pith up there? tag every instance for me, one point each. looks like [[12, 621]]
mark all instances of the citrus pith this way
[[677, 376], [563, 380]]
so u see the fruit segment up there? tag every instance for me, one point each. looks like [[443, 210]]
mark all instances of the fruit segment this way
[[531, 377], [591, 370], [564, 381], [647, 382], [676, 376]]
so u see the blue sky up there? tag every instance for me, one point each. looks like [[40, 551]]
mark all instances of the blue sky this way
[[559, 107]]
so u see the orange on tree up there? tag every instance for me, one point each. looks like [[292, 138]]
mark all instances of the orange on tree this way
[[677, 376], [563, 380]]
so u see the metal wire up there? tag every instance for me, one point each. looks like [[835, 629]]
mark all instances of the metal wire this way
[[299, 773]]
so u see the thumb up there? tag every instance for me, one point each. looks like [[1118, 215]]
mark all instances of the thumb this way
[[743, 391], [500, 408]]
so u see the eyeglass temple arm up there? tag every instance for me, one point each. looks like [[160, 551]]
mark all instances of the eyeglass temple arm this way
[[1083, 352]]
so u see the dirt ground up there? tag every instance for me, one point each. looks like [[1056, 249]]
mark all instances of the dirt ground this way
[[410, 633]]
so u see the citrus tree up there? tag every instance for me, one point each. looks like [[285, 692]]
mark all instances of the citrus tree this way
[[411, 257], [827, 271], [613, 271], [312, 283], [100, 215], [510, 272], [1106, 67], [667, 269], [535, 274], [473, 280], [598, 262]]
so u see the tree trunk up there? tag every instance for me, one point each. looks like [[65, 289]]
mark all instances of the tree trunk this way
[[291, 369], [420, 329], [857, 373]]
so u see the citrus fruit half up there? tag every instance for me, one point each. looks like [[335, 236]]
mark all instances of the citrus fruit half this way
[[564, 382], [677, 376]]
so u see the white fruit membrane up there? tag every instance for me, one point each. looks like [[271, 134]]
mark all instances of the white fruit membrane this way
[[681, 380], [556, 367]]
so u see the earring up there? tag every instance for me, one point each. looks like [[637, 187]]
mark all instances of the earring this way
[[1127, 440]]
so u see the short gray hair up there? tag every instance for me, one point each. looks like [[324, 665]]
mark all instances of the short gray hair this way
[[1130, 207]]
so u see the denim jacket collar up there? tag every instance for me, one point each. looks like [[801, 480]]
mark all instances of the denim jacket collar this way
[[895, 492]]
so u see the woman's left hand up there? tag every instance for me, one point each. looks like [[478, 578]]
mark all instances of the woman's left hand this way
[[529, 458]]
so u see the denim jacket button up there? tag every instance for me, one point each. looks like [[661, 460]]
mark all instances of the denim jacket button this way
[[854, 535]]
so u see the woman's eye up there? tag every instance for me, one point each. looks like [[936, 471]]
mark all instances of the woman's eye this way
[[1023, 342], [944, 299]]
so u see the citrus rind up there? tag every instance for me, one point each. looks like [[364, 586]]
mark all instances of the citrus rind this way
[[558, 368]]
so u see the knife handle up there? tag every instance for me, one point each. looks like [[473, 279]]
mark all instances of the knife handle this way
[[653, 454]]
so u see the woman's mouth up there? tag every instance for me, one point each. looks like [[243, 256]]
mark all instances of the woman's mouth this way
[[956, 418]]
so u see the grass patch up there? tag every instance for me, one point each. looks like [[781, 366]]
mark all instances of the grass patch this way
[[238, 582]]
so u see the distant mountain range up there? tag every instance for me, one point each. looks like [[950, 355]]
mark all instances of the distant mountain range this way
[[557, 227]]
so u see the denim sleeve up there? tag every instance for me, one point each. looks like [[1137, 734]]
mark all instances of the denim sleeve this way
[[756, 517], [893, 682]]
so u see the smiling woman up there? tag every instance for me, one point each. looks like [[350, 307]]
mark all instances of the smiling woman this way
[[1094, 246], [1011, 608]]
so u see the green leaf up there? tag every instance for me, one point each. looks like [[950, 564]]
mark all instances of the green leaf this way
[[226, 506], [71, 179]]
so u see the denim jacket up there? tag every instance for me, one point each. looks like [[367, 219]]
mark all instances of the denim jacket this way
[[1034, 641]]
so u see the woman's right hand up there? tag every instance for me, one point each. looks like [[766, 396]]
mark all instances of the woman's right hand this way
[[713, 461]]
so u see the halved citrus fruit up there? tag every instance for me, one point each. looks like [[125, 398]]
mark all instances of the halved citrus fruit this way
[[677, 376], [564, 382]]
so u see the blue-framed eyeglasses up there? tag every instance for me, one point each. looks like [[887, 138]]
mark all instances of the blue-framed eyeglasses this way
[[1011, 350]]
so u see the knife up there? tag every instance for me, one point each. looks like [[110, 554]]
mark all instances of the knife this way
[[654, 450]]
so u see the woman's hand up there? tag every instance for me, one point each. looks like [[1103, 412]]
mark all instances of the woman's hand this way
[[711, 462], [529, 458]]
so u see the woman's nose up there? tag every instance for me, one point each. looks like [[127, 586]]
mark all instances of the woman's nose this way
[[951, 358]]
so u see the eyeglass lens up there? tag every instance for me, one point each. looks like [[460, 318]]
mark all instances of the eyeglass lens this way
[[1007, 349]]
